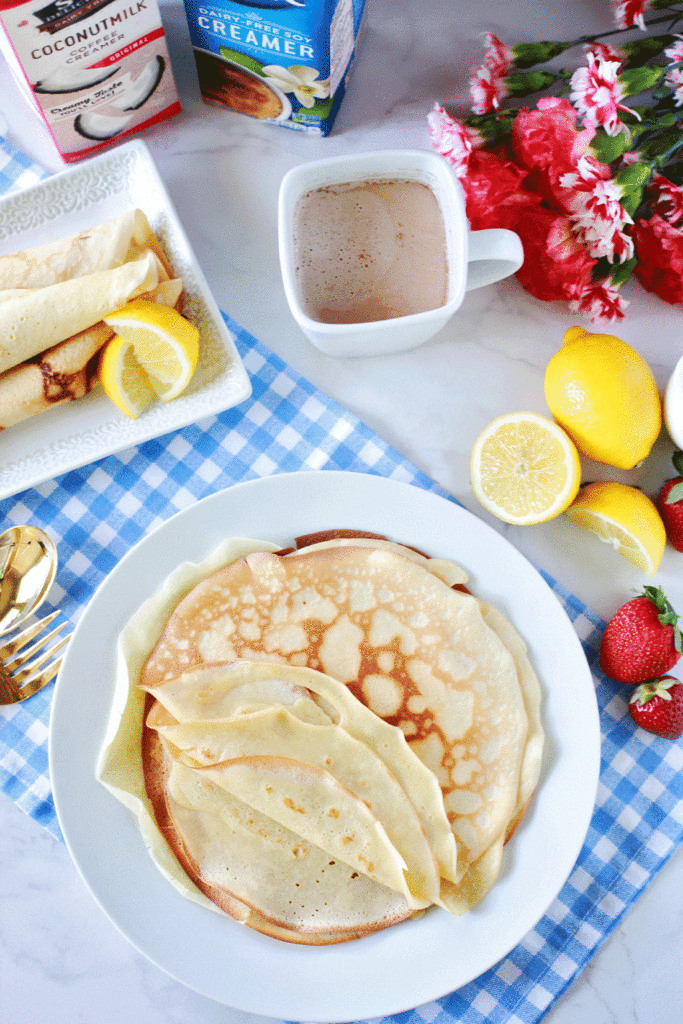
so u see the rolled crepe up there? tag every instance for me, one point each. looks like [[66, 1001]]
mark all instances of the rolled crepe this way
[[119, 240], [67, 371], [39, 319]]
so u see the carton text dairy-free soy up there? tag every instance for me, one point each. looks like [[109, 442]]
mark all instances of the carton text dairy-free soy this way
[[282, 61]]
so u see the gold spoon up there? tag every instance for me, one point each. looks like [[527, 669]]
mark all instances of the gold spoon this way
[[28, 563]]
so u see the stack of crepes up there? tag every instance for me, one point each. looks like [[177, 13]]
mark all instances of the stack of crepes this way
[[52, 301], [327, 740]]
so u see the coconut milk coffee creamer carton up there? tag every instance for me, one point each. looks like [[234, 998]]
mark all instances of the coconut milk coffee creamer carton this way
[[282, 61], [96, 71]]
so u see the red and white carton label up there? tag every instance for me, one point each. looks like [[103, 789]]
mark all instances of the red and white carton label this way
[[97, 71]]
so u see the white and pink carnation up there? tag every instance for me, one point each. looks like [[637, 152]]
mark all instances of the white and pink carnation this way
[[674, 79], [667, 199], [600, 302], [675, 52], [631, 12], [606, 52], [596, 212], [454, 140], [499, 57], [487, 89], [597, 94]]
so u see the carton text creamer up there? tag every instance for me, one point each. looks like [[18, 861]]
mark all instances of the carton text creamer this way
[[282, 61]]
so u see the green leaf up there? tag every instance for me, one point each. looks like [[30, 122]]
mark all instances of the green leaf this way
[[241, 58], [529, 54], [640, 79], [677, 459], [523, 83], [664, 144], [641, 50], [621, 272], [608, 148], [633, 179]]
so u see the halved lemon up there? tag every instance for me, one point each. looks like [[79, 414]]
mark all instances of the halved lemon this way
[[624, 517], [524, 468], [153, 355]]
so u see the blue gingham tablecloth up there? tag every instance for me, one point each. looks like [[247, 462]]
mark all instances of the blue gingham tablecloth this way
[[96, 513]]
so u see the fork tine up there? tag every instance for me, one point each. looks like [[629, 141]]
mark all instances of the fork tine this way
[[28, 652], [27, 672], [42, 679], [27, 634]]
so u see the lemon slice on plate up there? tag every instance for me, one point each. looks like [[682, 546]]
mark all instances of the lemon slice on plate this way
[[152, 355], [624, 517], [524, 468]]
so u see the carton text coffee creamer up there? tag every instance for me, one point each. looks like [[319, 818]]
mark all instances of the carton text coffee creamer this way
[[95, 70], [283, 61]]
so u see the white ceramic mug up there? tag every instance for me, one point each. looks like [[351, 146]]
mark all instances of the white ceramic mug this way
[[474, 258]]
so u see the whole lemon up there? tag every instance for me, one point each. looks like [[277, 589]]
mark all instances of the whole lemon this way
[[604, 395]]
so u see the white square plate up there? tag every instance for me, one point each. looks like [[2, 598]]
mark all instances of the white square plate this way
[[75, 433]]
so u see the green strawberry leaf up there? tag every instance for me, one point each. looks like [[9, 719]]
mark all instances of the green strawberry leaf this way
[[667, 616]]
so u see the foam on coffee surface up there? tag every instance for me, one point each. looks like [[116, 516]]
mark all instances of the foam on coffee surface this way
[[370, 250]]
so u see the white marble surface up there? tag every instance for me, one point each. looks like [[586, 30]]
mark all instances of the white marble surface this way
[[60, 958]]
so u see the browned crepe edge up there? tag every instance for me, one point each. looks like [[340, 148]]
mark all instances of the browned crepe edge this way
[[156, 765]]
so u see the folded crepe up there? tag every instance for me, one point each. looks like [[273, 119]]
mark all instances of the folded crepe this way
[[120, 240], [66, 371], [40, 318]]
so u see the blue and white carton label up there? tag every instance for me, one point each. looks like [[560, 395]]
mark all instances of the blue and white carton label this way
[[283, 61]]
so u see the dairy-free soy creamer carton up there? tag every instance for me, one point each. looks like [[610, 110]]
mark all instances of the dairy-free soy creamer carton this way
[[283, 61], [96, 71]]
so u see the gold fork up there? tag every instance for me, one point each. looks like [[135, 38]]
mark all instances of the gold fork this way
[[18, 685]]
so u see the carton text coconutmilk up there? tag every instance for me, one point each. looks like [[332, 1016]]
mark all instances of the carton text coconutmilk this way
[[283, 61], [95, 70]]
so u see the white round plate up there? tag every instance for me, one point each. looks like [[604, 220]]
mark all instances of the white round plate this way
[[398, 968]]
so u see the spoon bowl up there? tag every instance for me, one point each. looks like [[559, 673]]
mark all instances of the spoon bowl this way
[[28, 563]]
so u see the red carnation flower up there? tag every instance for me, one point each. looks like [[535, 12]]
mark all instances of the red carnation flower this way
[[556, 265], [491, 180], [659, 269]]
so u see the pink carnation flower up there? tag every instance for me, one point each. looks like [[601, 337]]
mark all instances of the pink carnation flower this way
[[600, 302], [630, 12], [493, 190], [597, 92], [454, 140], [556, 265], [499, 57], [547, 143], [660, 258], [667, 199]]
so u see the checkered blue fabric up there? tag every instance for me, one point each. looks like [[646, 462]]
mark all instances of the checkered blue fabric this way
[[98, 512], [16, 169]]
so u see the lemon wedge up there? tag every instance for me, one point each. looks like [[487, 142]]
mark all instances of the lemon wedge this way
[[605, 396], [524, 468], [624, 517], [153, 355]]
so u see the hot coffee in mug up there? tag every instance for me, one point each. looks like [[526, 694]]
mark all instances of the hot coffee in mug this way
[[370, 250], [375, 250]]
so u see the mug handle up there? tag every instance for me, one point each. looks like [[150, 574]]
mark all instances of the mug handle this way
[[493, 253]]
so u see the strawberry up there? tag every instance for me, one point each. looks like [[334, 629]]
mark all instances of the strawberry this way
[[658, 707], [642, 640], [670, 504]]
